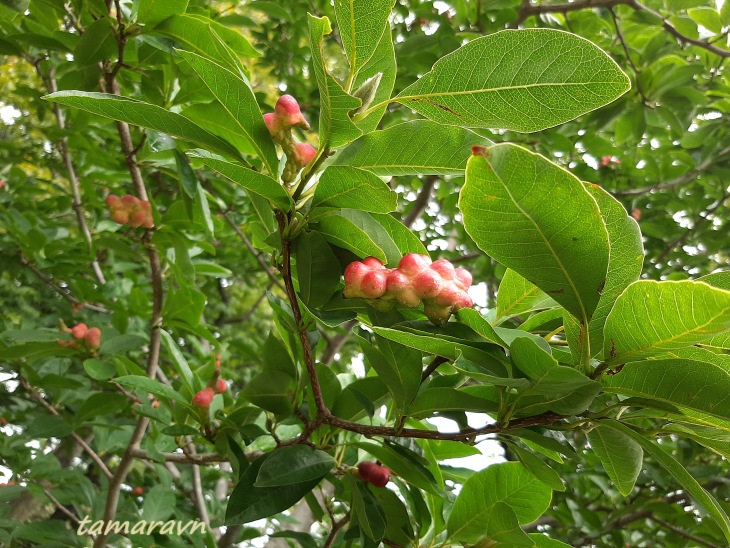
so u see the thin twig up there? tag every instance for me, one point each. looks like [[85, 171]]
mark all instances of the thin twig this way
[[681, 532], [421, 202], [433, 366], [70, 515], [336, 528], [52, 410]]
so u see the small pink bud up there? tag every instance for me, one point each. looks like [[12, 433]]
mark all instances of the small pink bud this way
[[270, 121], [203, 398], [79, 331], [220, 386], [304, 153], [93, 338], [287, 106], [413, 263]]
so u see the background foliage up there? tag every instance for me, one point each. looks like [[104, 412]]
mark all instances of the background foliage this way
[[206, 282]]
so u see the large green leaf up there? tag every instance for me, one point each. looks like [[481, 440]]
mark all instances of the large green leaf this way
[[318, 269], [335, 126], [703, 499], [151, 12], [252, 181], [381, 69], [443, 399], [293, 464], [509, 483], [360, 233], [695, 385], [516, 296], [626, 258], [402, 236], [362, 25], [651, 318], [349, 187], [248, 503], [620, 455], [539, 220], [419, 147], [238, 99], [524, 80], [144, 115], [368, 511], [271, 390]]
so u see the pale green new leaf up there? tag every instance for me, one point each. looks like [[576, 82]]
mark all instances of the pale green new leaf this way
[[419, 147], [143, 114], [252, 181], [703, 499], [626, 258], [537, 219], [620, 455], [238, 99], [381, 63], [516, 296], [524, 80], [690, 384], [335, 126], [349, 187], [151, 12], [651, 318], [509, 483], [361, 25]]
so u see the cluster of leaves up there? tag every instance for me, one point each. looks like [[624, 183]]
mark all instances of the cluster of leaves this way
[[608, 392]]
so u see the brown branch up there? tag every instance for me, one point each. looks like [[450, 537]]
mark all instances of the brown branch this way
[[335, 344], [433, 366], [686, 178], [528, 10], [336, 528], [52, 410], [70, 515], [201, 459], [198, 497], [681, 532], [421, 202], [57, 289]]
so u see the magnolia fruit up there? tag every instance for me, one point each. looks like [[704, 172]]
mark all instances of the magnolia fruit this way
[[220, 386], [304, 153], [93, 338], [372, 472], [203, 398], [440, 287], [137, 491], [288, 111], [79, 331], [130, 210]]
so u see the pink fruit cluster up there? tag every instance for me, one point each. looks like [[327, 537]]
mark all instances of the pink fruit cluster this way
[[130, 210], [287, 115], [216, 385], [441, 287], [82, 334], [374, 473]]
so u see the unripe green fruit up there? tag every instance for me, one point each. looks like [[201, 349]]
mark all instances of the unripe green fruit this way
[[437, 314]]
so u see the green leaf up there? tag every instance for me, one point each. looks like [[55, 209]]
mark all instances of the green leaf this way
[[516, 296], [717, 279], [46, 426], [238, 99], [370, 514], [99, 370], [541, 541], [153, 387], [97, 43], [472, 318], [404, 465], [354, 230], [185, 305], [271, 390], [361, 25], [335, 126], [252, 181], [703, 499], [524, 80], [100, 403], [151, 12], [438, 400], [725, 13], [318, 269], [406, 241], [560, 244], [179, 362], [651, 318], [541, 470], [707, 17], [381, 70], [509, 483], [122, 344], [143, 114], [294, 464], [626, 258], [691, 384], [419, 147], [501, 526], [188, 180], [159, 504], [248, 503], [620, 455], [349, 187]]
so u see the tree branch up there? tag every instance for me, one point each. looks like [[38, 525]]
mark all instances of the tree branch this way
[[336, 528], [200, 459], [433, 366], [681, 532], [421, 202]]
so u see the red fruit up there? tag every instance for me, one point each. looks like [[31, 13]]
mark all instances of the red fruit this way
[[374, 473], [463, 300], [463, 278], [373, 284], [129, 201], [270, 121], [444, 268], [449, 295], [397, 282], [93, 338], [372, 262], [288, 112], [220, 386], [413, 263], [137, 218], [79, 331], [113, 201], [3, 421], [137, 491], [304, 153], [120, 216], [2, 184], [428, 284], [203, 398], [155, 404]]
